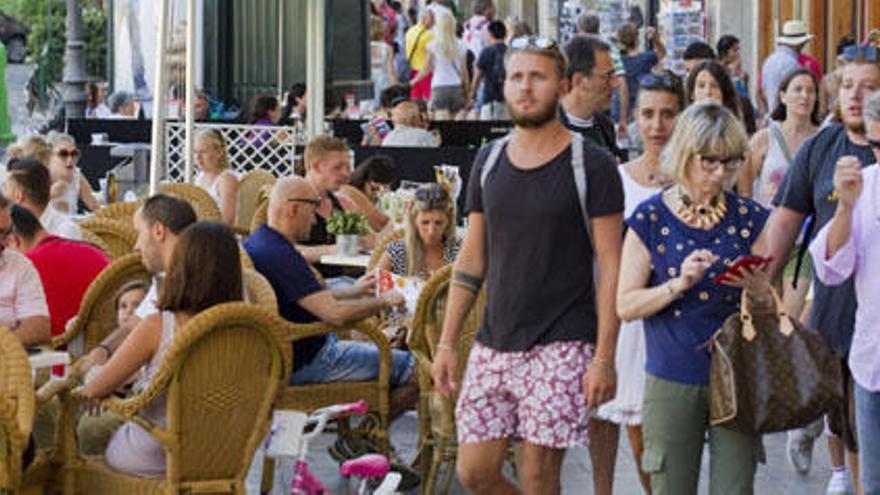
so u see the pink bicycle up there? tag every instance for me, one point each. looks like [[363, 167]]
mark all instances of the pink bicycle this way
[[369, 469]]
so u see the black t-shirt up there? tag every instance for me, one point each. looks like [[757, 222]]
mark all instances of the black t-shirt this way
[[491, 63], [808, 188], [539, 257]]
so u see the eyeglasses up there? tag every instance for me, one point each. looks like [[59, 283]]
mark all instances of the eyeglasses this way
[[657, 81], [539, 42], [65, 154], [314, 202], [712, 163], [431, 194], [867, 53]]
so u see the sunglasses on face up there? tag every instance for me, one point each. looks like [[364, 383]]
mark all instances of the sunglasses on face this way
[[65, 154], [868, 53], [539, 42], [314, 202], [712, 163]]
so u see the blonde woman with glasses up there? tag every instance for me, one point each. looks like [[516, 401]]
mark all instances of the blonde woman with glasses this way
[[215, 175], [430, 242], [69, 185], [677, 242]]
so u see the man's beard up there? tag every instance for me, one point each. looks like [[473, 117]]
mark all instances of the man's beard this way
[[544, 115], [856, 127]]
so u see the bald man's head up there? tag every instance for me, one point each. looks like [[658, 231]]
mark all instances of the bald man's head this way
[[406, 113], [292, 207]]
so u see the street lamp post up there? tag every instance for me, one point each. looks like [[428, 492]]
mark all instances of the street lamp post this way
[[74, 62]]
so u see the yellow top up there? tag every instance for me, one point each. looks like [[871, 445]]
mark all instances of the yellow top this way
[[417, 37]]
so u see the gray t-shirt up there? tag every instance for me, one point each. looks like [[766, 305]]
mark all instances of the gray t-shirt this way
[[808, 188], [540, 260]]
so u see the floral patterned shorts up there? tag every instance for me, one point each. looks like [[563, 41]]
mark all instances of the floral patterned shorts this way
[[536, 395]]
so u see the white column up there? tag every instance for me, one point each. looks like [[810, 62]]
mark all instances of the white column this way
[[548, 18], [315, 18], [157, 151], [280, 49], [190, 87]]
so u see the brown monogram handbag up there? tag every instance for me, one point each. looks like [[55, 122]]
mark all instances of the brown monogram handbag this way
[[770, 374]]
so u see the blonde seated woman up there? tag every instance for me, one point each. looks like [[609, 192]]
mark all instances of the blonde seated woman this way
[[430, 242], [69, 185], [215, 175]]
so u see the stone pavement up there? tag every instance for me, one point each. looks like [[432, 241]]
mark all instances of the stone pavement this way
[[777, 477]]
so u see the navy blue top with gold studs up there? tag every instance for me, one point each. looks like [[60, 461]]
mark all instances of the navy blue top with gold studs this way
[[677, 338]]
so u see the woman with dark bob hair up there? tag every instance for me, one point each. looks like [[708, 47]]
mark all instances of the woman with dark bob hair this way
[[198, 277], [372, 178]]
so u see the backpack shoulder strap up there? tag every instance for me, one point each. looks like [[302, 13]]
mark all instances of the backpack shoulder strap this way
[[776, 132], [580, 178], [492, 159]]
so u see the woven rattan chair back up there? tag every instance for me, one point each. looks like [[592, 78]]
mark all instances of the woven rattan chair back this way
[[258, 290], [17, 406], [437, 414], [115, 237], [249, 195], [123, 212], [261, 214], [97, 315], [381, 246], [202, 202]]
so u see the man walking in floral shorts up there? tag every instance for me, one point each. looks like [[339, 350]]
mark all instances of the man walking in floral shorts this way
[[544, 355]]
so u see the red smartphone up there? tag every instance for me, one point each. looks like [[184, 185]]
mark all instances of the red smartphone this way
[[740, 263]]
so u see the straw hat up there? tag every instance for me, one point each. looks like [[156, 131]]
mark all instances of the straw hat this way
[[794, 33]]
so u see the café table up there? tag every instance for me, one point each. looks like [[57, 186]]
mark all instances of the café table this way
[[357, 261]]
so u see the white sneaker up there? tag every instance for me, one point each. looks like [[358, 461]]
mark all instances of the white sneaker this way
[[840, 484], [800, 450]]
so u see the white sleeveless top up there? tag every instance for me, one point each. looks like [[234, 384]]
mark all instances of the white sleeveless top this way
[[131, 448], [772, 171], [634, 193], [67, 202], [213, 188]]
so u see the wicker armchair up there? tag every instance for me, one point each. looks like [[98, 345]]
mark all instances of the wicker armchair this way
[[381, 245], [17, 407], [97, 316], [115, 237], [261, 214], [258, 290], [202, 202], [221, 374], [249, 195], [123, 212], [437, 435], [377, 392]]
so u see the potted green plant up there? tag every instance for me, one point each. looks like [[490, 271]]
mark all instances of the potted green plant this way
[[347, 226]]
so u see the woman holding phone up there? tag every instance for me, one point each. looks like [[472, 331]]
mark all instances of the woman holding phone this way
[[676, 243]]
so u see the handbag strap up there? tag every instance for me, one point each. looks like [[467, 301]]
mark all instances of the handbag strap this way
[[748, 325]]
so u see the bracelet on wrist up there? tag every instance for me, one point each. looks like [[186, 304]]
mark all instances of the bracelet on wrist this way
[[446, 347], [106, 349], [602, 363]]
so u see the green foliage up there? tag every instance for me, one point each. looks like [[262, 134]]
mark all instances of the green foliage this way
[[46, 41], [347, 222]]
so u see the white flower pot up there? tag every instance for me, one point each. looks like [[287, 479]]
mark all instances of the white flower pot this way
[[347, 245]]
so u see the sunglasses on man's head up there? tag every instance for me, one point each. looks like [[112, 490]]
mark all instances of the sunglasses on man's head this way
[[539, 42], [867, 53]]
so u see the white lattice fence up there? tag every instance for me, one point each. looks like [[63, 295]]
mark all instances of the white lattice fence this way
[[249, 147]]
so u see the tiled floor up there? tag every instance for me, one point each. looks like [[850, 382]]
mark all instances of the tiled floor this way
[[774, 478]]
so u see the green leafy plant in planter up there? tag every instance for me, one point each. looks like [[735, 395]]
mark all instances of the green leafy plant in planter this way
[[347, 223], [347, 226]]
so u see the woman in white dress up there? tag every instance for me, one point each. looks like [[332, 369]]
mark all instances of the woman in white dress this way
[[69, 185], [214, 174], [660, 99]]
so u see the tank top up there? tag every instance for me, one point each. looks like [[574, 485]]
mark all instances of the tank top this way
[[213, 188], [68, 201], [773, 170], [634, 193]]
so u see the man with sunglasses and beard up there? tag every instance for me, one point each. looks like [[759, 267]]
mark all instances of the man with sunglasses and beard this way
[[548, 202], [808, 189]]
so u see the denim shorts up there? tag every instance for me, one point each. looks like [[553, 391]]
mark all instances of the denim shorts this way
[[351, 361]]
